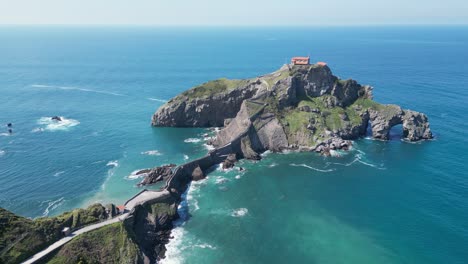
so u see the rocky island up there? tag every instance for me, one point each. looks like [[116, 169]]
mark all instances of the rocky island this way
[[298, 107]]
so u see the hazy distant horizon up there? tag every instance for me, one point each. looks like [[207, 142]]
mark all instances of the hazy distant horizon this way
[[238, 13]]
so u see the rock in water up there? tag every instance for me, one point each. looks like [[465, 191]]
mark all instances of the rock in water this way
[[198, 174], [229, 162], [155, 174], [57, 118]]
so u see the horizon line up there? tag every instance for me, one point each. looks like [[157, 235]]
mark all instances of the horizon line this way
[[235, 25]]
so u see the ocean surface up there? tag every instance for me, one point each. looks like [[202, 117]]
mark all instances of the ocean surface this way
[[381, 202]]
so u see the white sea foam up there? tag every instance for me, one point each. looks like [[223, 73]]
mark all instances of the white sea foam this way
[[264, 154], [240, 212], [186, 157], [53, 125], [205, 245], [157, 99], [113, 163], [174, 247], [74, 88], [58, 173], [151, 153], [192, 140], [52, 205], [221, 180], [273, 165], [238, 176], [310, 167], [5, 134], [134, 175], [209, 147], [2, 152], [37, 129]]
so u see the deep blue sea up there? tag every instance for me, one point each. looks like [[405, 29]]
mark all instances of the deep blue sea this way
[[382, 202]]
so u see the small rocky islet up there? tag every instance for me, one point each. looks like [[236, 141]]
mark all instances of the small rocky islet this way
[[298, 107]]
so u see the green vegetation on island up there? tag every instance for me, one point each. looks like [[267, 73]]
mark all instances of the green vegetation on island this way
[[21, 237]]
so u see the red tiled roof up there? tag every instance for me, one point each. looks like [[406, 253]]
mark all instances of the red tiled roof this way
[[300, 58], [121, 208], [321, 63]]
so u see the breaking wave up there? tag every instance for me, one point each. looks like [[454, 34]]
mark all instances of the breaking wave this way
[[48, 124], [2, 152], [75, 88]]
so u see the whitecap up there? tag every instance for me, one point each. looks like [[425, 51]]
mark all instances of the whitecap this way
[[238, 176], [192, 140], [186, 157], [113, 163], [273, 165], [75, 88], [310, 167], [58, 173], [157, 99], [264, 154], [151, 153], [5, 134], [239, 212], [53, 205], [54, 125], [2, 152]]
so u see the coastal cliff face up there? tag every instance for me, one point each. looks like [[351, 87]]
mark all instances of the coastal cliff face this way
[[296, 107]]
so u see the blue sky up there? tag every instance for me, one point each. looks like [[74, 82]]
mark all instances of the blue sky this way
[[233, 12]]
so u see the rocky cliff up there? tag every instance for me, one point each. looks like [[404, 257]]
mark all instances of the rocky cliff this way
[[296, 107]]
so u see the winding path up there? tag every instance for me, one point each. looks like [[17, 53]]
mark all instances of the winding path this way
[[141, 198], [78, 232]]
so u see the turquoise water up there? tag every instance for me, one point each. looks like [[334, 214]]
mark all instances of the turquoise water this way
[[382, 202]]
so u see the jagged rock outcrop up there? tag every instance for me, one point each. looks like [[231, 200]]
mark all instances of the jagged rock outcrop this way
[[155, 174], [415, 124], [229, 162], [198, 174], [296, 107]]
